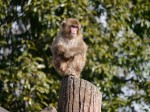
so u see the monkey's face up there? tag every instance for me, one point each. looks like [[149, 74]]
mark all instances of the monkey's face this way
[[71, 27], [74, 30]]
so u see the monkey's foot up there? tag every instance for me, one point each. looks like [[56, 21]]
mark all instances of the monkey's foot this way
[[63, 68], [72, 75]]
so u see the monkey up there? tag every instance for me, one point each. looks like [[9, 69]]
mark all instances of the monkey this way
[[69, 49]]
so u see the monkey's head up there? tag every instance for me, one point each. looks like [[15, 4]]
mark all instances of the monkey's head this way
[[71, 27]]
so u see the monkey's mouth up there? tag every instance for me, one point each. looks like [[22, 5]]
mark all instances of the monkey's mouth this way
[[73, 34]]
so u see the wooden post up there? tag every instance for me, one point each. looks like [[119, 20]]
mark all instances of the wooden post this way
[[3, 110], [78, 95]]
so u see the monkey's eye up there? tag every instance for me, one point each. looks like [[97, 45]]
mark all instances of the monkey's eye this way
[[73, 26]]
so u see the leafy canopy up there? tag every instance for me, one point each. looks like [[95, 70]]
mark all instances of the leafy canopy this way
[[118, 60]]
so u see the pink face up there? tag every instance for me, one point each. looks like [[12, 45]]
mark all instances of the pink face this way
[[74, 30]]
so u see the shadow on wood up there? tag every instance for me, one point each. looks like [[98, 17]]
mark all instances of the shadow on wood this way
[[78, 95]]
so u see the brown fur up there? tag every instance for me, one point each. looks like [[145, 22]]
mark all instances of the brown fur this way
[[69, 53]]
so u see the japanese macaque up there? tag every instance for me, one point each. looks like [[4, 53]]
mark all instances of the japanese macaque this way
[[69, 49]]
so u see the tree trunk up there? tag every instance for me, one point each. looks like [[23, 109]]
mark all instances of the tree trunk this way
[[78, 95]]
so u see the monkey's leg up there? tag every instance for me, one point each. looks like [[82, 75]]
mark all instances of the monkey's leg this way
[[80, 63], [75, 65], [59, 64]]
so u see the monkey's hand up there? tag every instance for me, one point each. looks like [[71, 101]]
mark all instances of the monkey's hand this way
[[60, 49], [68, 54], [71, 52]]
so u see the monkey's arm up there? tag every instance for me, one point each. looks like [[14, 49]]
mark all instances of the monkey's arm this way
[[80, 49], [60, 49]]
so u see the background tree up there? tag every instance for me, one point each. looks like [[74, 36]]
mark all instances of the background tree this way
[[118, 61]]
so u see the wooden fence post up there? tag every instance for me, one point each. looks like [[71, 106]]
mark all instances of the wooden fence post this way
[[78, 95]]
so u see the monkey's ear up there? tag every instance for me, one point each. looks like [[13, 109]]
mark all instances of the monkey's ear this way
[[63, 24]]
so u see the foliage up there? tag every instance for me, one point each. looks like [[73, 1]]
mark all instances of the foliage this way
[[118, 60]]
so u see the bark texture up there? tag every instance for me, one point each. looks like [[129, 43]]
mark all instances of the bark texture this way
[[78, 95]]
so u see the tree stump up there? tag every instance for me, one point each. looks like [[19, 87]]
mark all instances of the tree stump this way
[[78, 95]]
